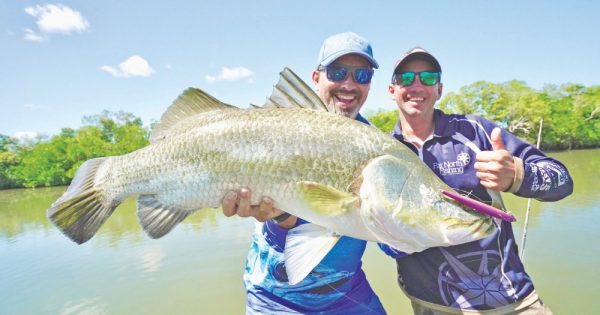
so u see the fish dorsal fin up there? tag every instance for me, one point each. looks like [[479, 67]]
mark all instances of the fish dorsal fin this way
[[191, 102], [305, 246], [292, 92], [157, 219], [326, 200]]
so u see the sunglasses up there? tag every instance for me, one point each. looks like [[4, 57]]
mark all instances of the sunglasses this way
[[361, 75], [428, 78]]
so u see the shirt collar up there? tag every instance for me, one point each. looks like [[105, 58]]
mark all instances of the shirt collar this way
[[362, 119], [441, 126]]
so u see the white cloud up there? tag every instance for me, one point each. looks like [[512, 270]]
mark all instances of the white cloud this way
[[31, 35], [22, 135], [133, 66], [58, 18], [231, 74]]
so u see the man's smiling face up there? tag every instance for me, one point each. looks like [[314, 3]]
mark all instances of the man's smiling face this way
[[416, 99], [347, 96]]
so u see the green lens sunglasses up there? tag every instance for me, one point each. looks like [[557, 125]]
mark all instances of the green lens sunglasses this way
[[428, 78]]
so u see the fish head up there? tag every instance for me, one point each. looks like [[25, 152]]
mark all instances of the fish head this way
[[402, 207]]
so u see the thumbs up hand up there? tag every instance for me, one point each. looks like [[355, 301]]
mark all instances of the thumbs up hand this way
[[496, 168]]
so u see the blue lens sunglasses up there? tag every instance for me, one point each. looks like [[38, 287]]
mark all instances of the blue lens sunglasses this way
[[361, 75]]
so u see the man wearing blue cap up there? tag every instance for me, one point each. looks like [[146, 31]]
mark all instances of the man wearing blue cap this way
[[337, 285]]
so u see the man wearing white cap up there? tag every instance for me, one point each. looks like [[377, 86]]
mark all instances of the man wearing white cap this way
[[475, 157], [337, 285]]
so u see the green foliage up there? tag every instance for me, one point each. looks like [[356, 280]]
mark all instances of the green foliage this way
[[574, 118], [384, 121], [512, 105], [570, 113], [7, 160], [54, 161]]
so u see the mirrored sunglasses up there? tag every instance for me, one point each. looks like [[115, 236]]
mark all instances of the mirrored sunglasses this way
[[361, 75], [428, 78]]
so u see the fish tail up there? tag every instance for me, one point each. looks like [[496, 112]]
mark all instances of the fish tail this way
[[83, 208]]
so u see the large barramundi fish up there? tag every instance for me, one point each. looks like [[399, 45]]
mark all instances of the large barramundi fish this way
[[343, 176]]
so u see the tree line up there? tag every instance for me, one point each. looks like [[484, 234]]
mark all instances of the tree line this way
[[53, 161], [570, 113]]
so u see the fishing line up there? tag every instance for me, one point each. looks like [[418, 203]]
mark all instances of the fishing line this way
[[524, 239], [500, 252]]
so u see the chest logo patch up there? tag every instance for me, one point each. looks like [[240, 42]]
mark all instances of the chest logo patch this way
[[456, 167]]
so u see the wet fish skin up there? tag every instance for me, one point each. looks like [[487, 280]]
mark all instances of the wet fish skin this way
[[337, 173], [225, 149]]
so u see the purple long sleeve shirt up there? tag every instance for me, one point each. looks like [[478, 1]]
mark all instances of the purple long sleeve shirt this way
[[488, 273]]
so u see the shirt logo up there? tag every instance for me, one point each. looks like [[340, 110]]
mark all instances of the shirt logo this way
[[474, 280], [453, 167]]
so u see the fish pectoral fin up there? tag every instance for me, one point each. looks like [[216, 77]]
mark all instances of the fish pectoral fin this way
[[156, 218], [305, 247], [326, 200]]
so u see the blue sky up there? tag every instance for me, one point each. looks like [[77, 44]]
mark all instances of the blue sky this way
[[60, 61]]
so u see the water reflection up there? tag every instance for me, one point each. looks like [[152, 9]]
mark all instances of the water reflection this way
[[23, 210], [185, 272], [584, 167], [86, 306], [151, 259]]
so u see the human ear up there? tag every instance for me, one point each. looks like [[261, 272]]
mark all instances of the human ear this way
[[315, 76], [391, 90]]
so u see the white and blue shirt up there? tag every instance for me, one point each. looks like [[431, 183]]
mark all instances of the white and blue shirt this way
[[337, 285]]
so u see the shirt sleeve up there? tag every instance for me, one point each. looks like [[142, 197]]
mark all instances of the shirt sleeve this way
[[392, 252], [544, 178]]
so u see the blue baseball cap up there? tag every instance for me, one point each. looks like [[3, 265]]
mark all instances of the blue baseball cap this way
[[343, 44]]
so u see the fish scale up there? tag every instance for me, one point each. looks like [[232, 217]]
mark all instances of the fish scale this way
[[345, 177]]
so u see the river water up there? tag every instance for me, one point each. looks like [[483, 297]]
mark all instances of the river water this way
[[198, 267]]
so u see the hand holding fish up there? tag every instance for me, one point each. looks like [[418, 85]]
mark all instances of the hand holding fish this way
[[238, 202], [496, 169]]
